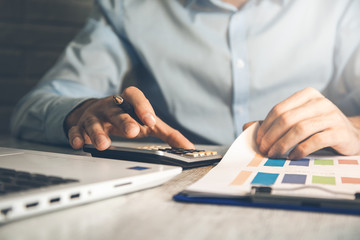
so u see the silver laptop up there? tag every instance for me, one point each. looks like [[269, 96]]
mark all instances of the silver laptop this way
[[34, 182]]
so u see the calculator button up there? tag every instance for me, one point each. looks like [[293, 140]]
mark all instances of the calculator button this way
[[201, 154], [164, 149], [144, 147], [194, 154], [152, 147]]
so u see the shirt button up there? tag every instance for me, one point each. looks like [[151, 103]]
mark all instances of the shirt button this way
[[240, 63], [239, 109]]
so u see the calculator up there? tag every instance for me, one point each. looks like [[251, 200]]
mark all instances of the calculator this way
[[185, 158]]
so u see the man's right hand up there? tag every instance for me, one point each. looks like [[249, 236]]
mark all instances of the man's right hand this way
[[95, 119]]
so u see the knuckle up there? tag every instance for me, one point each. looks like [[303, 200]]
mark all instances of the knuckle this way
[[92, 127], [116, 116], [279, 148], [282, 148], [285, 119], [319, 139], [300, 128], [312, 91], [301, 149], [277, 110], [89, 122], [73, 130], [264, 145]]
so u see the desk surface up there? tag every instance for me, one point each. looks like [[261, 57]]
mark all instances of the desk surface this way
[[152, 214]]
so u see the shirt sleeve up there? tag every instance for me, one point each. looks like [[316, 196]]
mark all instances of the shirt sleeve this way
[[93, 65], [344, 88]]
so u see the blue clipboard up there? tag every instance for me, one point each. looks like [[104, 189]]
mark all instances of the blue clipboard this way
[[338, 206], [254, 181]]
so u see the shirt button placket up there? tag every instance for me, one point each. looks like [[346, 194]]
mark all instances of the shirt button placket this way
[[240, 64], [241, 80]]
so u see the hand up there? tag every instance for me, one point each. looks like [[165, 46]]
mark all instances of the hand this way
[[307, 122], [94, 120]]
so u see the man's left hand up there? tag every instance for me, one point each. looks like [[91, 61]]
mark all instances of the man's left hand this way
[[307, 122]]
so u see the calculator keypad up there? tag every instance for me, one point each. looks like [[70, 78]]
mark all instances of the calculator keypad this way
[[192, 153]]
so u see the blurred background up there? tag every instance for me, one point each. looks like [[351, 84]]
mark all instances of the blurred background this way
[[33, 34]]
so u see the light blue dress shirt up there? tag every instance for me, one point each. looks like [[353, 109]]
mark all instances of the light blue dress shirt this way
[[206, 66]]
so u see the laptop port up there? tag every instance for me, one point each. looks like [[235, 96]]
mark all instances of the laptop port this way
[[31, 205], [75, 196], [54, 200], [122, 184]]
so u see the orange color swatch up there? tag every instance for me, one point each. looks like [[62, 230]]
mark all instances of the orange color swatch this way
[[255, 162], [241, 178], [348, 161], [350, 180]]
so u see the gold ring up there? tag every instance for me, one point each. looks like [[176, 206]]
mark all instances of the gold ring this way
[[118, 100]]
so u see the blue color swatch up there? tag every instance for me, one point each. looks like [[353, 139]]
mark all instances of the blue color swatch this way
[[301, 162], [265, 178], [275, 162], [294, 178]]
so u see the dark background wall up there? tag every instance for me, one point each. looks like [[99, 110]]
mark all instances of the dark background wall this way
[[33, 33]]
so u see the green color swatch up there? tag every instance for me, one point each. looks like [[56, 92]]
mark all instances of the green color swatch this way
[[324, 180], [323, 162]]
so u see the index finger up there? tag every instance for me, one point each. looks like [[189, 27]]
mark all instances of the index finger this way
[[170, 135]]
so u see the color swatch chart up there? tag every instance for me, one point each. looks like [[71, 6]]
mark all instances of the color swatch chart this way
[[243, 167], [330, 171]]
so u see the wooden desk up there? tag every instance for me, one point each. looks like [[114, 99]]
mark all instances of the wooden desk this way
[[152, 214]]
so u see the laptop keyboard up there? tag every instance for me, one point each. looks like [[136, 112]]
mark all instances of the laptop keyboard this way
[[15, 181]]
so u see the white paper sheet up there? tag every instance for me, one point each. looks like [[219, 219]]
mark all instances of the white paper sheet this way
[[243, 167]]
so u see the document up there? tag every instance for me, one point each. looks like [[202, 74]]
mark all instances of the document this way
[[243, 172]]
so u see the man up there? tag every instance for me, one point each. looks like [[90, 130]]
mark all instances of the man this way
[[205, 68]]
